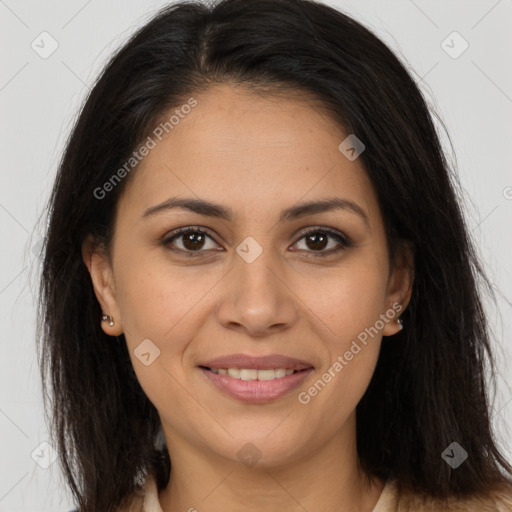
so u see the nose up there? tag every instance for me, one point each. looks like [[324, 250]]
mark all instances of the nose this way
[[256, 298]]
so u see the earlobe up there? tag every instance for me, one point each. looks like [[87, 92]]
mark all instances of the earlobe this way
[[394, 325], [98, 264], [400, 288]]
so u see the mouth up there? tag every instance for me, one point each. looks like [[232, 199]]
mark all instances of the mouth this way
[[255, 380]]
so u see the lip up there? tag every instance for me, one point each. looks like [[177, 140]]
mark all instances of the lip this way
[[256, 391], [257, 362]]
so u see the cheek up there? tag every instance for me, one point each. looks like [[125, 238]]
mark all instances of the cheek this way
[[350, 306], [154, 295], [349, 299], [159, 306], [342, 382]]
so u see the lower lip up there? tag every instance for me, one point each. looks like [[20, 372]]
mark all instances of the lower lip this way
[[256, 391]]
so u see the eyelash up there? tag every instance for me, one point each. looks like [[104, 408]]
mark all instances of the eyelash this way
[[345, 242]]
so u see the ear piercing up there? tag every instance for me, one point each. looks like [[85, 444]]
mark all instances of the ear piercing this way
[[108, 319], [111, 323]]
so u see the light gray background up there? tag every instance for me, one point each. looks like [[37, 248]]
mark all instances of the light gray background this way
[[39, 99]]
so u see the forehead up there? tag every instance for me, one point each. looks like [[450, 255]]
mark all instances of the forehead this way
[[252, 152]]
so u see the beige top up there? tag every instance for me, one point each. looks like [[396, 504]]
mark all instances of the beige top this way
[[387, 502]]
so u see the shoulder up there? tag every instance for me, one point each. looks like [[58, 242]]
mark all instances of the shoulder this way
[[497, 500], [135, 503]]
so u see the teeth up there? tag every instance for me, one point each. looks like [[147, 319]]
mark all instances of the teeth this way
[[268, 374], [247, 374], [252, 374], [234, 372]]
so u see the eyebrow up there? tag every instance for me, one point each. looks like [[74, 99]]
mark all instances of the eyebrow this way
[[218, 211]]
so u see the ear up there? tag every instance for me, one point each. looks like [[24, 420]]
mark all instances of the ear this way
[[98, 263], [400, 284]]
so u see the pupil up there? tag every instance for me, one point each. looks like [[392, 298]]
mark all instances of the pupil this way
[[315, 239], [189, 241]]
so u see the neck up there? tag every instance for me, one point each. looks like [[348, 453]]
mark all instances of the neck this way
[[328, 478]]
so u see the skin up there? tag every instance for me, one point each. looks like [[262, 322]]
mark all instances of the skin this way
[[256, 155]]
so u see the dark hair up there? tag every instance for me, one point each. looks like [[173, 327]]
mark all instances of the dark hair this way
[[429, 386]]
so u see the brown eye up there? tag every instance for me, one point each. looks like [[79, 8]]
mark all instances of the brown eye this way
[[191, 240], [317, 240]]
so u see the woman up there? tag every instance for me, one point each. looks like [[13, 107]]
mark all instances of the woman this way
[[259, 290]]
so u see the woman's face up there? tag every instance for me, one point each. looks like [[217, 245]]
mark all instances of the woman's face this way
[[255, 283]]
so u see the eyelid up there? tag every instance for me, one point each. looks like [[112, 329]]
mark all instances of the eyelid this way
[[325, 229]]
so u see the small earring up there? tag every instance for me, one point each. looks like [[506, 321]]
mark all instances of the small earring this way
[[400, 323], [109, 319]]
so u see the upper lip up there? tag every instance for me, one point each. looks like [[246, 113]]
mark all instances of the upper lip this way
[[257, 362]]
